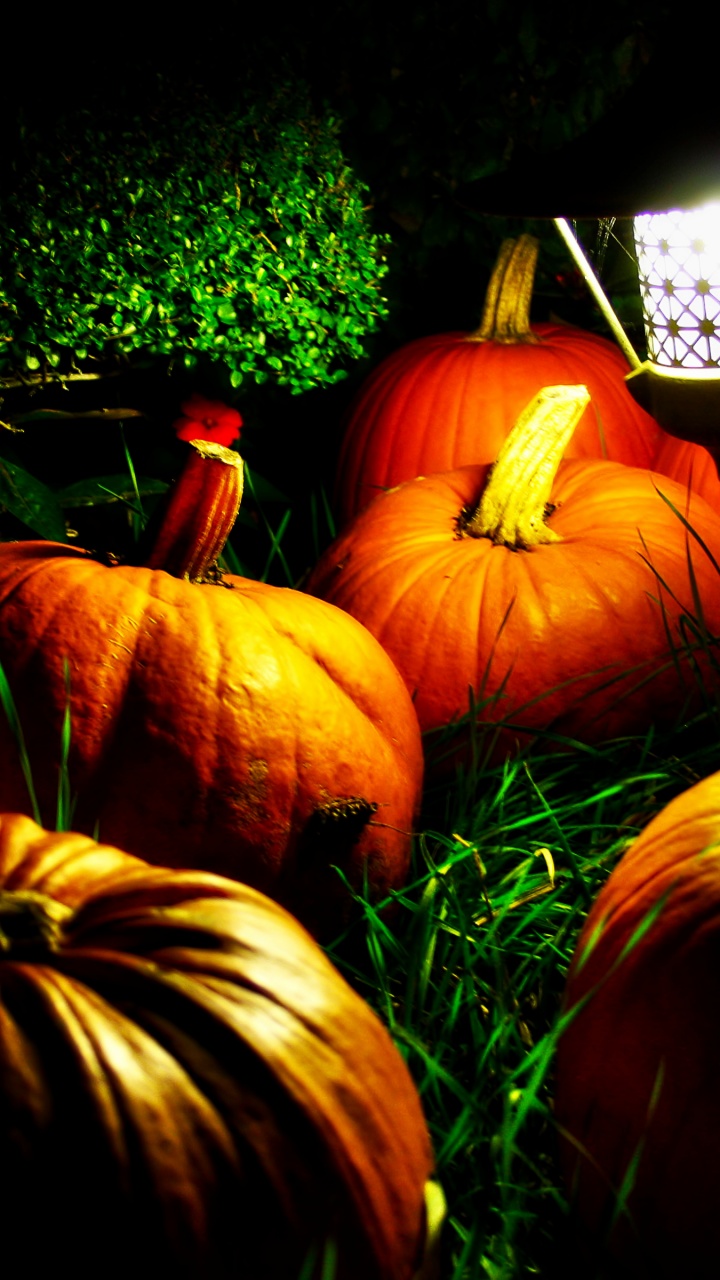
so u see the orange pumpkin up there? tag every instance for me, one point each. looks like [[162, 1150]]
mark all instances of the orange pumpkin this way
[[188, 1086], [562, 602], [450, 399], [638, 1063], [216, 722]]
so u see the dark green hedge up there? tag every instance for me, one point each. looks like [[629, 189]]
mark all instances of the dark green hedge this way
[[197, 231]]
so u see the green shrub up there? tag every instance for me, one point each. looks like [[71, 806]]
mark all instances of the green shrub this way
[[193, 232]]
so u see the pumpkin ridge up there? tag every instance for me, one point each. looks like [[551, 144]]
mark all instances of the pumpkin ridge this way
[[279, 1045], [39, 576], [310, 1091], [50, 994], [680, 934], [56, 872], [320, 659], [76, 597], [171, 1137], [22, 578], [145, 980], [206, 636], [660, 873], [434, 624], [402, 399]]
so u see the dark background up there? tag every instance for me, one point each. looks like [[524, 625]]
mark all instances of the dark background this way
[[435, 103]]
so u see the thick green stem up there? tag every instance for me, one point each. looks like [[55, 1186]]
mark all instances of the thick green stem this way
[[201, 511], [514, 504], [506, 317]]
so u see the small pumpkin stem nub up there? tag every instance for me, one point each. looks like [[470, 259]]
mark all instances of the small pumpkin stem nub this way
[[514, 503], [506, 317], [201, 510]]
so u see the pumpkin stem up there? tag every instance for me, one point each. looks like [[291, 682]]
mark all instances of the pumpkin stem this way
[[201, 510], [516, 499], [506, 316], [31, 924]]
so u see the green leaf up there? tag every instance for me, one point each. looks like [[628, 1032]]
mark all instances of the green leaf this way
[[263, 490], [31, 502], [109, 415], [98, 490]]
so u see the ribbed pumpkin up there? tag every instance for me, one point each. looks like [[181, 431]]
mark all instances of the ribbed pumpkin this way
[[188, 1087], [691, 465], [558, 593], [450, 399], [637, 1097], [216, 722]]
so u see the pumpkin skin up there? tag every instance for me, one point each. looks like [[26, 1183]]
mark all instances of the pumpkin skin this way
[[238, 728], [646, 1027], [544, 638], [181, 1067], [691, 465]]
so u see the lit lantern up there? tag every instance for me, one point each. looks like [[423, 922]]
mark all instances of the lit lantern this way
[[678, 255]]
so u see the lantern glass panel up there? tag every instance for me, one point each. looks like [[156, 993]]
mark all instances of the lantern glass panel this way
[[679, 264]]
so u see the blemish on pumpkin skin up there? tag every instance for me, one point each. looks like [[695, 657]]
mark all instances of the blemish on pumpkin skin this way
[[249, 798]]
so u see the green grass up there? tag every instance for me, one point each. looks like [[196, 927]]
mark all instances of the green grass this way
[[469, 971]]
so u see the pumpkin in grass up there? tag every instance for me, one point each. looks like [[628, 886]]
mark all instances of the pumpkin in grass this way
[[188, 1086], [450, 399], [558, 593], [637, 1101], [216, 722]]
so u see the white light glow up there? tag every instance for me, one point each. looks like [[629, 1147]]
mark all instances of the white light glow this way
[[679, 262]]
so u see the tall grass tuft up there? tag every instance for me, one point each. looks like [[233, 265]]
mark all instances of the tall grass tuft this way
[[469, 969], [65, 805]]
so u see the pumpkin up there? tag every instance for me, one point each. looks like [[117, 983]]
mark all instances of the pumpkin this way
[[691, 465], [638, 1061], [188, 1086], [450, 399], [216, 722], [559, 593]]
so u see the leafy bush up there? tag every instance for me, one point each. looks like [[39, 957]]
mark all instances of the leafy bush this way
[[197, 231]]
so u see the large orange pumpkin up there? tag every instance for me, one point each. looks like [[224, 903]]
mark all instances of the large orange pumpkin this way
[[188, 1087], [562, 604], [638, 1065], [218, 723], [449, 400]]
